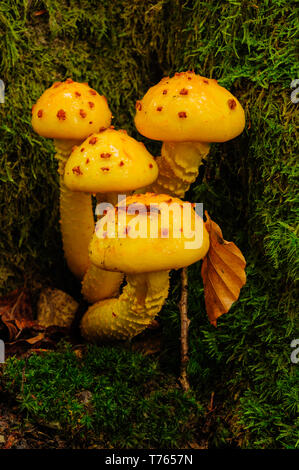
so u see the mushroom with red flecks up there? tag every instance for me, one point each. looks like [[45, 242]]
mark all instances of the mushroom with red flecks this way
[[187, 112]]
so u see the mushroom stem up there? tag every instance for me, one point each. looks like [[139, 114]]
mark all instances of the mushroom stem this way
[[178, 167], [95, 284], [98, 284], [77, 228], [76, 217], [125, 317]]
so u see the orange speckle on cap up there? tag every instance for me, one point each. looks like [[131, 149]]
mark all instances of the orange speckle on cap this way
[[184, 91], [77, 93], [93, 140], [40, 113], [138, 106], [182, 114], [61, 114], [92, 92], [82, 113], [159, 108], [90, 104], [105, 155], [232, 104], [77, 170]]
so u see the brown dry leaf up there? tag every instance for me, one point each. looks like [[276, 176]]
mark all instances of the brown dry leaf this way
[[223, 273], [40, 12], [24, 333], [16, 312], [56, 307], [36, 338], [10, 440]]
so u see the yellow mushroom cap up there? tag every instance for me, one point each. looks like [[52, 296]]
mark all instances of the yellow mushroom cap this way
[[188, 107], [159, 247], [70, 110], [110, 161]]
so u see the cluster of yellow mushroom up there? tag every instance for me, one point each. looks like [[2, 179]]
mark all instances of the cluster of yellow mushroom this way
[[187, 112]]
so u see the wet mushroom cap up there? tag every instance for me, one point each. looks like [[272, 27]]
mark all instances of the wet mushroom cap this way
[[70, 110], [188, 107], [110, 161], [161, 247]]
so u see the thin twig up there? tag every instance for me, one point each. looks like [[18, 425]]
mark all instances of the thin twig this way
[[184, 330]]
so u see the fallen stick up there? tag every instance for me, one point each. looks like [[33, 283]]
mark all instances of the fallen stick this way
[[183, 305]]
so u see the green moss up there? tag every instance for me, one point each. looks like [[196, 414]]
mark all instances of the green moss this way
[[272, 420], [249, 187], [117, 398]]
